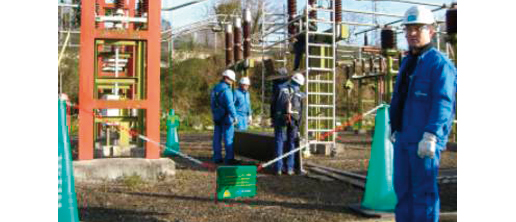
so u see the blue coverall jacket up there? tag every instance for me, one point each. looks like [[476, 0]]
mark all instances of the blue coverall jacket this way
[[429, 107], [430, 104], [243, 108], [224, 100]]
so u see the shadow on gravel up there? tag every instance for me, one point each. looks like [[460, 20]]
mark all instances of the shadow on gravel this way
[[110, 214], [251, 202]]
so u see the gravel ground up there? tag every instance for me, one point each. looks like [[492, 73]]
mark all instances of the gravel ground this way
[[190, 196]]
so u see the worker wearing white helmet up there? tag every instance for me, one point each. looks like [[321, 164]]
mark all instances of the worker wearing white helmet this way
[[224, 117], [288, 112], [243, 104], [298, 78], [421, 113]]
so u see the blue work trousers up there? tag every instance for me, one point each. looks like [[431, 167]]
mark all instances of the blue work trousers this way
[[279, 141], [415, 183], [242, 122], [226, 131]]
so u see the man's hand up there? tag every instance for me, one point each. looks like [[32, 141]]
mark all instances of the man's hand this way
[[426, 147]]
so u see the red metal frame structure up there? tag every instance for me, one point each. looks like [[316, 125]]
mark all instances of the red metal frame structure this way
[[92, 31]]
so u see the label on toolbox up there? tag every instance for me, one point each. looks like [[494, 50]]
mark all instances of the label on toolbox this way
[[236, 181]]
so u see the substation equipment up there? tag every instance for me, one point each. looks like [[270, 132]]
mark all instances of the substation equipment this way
[[119, 76]]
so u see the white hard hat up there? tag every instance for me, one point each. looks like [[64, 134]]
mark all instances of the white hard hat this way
[[229, 73], [245, 81], [418, 15], [299, 78]]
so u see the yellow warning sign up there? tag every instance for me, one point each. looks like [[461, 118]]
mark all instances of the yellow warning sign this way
[[227, 193]]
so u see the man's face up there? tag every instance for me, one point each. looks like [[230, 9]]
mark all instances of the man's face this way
[[228, 80], [418, 35], [244, 87]]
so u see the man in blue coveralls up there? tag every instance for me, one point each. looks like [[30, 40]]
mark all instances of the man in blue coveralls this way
[[421, 114], [243, 104], [224, 117], [288, 112]]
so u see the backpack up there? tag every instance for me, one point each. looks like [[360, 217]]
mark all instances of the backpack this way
[[288, 97], [217, 111]]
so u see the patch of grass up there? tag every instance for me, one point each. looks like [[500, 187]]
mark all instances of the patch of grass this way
[[132, 182]]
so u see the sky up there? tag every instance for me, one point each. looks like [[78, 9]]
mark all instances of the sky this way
[[196, 12]]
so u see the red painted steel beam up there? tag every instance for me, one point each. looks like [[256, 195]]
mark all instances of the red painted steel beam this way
[[152, 151], [86, 70]]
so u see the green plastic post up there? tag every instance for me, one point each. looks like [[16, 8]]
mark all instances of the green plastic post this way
[[379, 194], [67, 208], [172, 137]]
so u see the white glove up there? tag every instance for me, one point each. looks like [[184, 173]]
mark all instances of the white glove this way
[[426, 147], [393, 137]]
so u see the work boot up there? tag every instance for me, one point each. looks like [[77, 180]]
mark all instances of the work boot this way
[[217, 161]]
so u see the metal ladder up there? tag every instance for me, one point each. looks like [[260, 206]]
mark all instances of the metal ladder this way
[[320, 76]]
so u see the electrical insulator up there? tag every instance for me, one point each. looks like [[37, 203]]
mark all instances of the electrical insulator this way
[[312, 14], [451, 20], [247, 33], [237, 36], [292, 9], [119, 4], [229, 44], [388, 37], [338, 11]]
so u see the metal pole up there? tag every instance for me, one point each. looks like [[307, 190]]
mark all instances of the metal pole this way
[[182, 5], [406, 1], [68, 5], [282, 26], [263, 59], [170, 56], [285, 36], [396, 21], [117, 50], [372, 13]]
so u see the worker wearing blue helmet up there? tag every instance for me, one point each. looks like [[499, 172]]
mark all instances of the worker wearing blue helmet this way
[[421, 114], [243, 104], [224, 117]]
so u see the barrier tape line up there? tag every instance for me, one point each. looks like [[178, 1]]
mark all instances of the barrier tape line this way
[[261, 166], [132, 132], [351, 121], [354, 119], [211, 165]]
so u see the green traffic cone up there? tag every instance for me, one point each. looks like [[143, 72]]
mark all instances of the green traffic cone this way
[[379, 194], [172, 145], [67, 209]]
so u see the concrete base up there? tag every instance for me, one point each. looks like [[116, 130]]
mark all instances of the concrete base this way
[[109, 170], [322, 149]]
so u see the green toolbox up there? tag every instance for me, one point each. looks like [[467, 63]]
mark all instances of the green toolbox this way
[[236, 181]]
